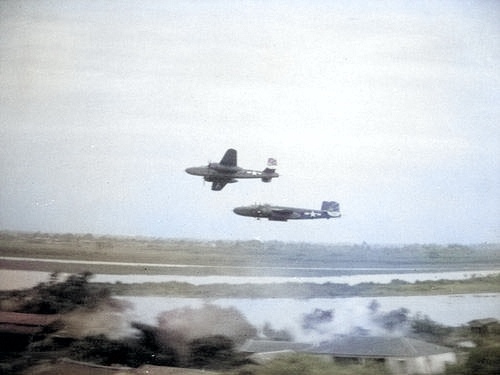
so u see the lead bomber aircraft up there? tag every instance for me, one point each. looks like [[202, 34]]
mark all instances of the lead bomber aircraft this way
[[227, 171], [277, 213]]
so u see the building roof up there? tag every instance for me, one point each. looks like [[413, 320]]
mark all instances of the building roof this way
[[27, 319], [68, 366], [482, 322], [379, 347], [159, 370], [267, 346], [25, 323], [353, 346]]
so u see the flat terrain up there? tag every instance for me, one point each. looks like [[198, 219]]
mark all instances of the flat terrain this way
[[274, 255], [78, 253]]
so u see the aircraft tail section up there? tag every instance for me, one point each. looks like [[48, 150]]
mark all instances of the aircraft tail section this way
[[270, 169], [331, 207], [230, 158]]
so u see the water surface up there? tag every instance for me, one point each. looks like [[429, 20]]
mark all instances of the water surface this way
[[349, 314]]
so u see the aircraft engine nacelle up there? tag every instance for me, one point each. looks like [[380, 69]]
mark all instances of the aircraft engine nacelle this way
[[266, 179], [215, 179], [277, 218], [223, 168]]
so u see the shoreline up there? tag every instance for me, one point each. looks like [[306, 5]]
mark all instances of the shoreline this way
[[21, 279], [478, 285]]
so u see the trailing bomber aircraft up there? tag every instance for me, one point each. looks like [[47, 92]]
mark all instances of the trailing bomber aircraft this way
[[277, 213], [227, 171]]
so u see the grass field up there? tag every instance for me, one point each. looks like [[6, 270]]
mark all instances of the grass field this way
[[247, 253]]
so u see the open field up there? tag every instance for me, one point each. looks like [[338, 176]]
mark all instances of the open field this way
[[248, 253]]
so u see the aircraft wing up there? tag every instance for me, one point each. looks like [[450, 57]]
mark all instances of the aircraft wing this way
[[282, 211], [280, 214]]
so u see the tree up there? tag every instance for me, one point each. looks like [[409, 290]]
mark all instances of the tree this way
[[423, 325], [60, 297]]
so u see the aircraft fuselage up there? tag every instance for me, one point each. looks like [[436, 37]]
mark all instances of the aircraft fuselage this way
[[214, 170], [279, 213]]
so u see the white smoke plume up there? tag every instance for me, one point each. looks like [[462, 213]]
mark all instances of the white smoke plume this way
[[191, 323], [107, 319], [180, 326]]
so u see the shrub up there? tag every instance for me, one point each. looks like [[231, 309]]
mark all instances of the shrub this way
[[60, 297], [300, 364], [211, 351], [423, 325], [103, 351], [484, 361]]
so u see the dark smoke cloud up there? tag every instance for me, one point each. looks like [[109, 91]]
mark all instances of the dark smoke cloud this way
[[316, 319], [324, 324]]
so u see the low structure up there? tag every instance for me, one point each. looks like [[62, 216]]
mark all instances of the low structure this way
[[400, 355], [17, 330], [482, 326], [269, 346], [67, 366], [263, 351]]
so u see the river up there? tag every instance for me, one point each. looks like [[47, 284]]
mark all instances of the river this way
[[349, 314], [15, 279]]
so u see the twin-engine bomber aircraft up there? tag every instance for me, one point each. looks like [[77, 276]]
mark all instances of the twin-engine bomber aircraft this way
[[276, 213], [227, 171]]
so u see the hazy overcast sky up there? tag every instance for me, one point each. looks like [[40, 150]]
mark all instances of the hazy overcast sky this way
[[391, 108]]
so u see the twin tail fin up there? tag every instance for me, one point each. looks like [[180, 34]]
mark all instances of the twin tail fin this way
[[270, 169]]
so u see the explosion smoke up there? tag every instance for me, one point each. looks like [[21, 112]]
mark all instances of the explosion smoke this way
[[177, 328], [107, 319], [324, 324]]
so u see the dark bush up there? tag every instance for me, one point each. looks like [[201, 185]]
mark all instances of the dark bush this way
[[423, 325], [59, 297], [103, 351], [211, 352], [484, 361], [159, 353]]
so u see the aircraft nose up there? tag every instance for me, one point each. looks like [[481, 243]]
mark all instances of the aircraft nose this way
[[241, 211], [196, 171]]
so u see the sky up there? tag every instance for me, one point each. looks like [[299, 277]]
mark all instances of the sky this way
[[388, 107]]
